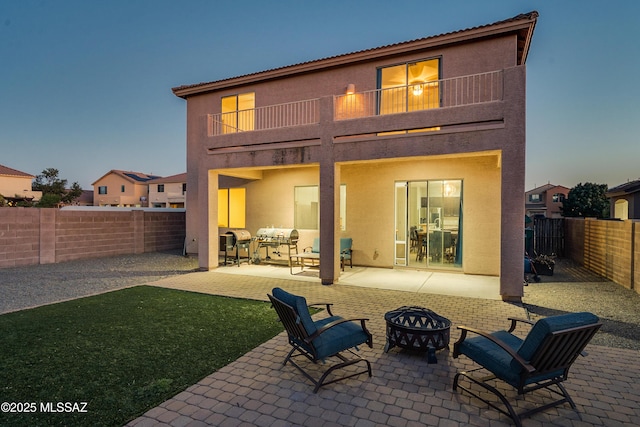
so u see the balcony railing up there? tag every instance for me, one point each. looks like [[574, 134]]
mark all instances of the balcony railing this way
[[454, 92], [271, 117]]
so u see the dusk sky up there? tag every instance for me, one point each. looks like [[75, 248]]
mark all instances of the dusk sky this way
[[86, 84]]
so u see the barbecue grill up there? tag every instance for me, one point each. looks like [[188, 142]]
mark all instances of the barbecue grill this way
[[234, 241], [274, 238]]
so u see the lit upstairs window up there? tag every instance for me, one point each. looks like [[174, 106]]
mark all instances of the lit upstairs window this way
[[238, 112]]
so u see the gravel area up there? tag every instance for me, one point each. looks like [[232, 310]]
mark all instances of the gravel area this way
[[571, 288], [24, 287]]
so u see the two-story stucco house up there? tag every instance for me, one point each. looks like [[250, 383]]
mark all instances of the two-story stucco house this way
[[122, 188], [15, 186], [168, 192], [415, 150], [546, 201]]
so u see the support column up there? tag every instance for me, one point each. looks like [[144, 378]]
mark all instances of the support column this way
[[208, 220], [329, 199], [329, 244], [512, 189]]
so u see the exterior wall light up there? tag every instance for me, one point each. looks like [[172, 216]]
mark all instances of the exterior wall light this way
[[351, 89]]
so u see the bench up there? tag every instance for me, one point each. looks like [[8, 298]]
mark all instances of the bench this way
[[312, 253]]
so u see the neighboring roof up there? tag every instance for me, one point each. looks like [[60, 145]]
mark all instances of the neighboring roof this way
[[131, 176], [4, 170], [522, 25], [85, 197], [181, 177], [546, 187], [623, 189]]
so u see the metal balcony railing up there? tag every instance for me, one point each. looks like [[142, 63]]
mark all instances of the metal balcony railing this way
[[297, 113], [454, 92]]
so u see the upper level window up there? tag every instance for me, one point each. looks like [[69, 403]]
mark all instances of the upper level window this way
[[558, 197], [409, 87], [534, 198], [102, 189], [238, 112], [122, 188], [160, 188]]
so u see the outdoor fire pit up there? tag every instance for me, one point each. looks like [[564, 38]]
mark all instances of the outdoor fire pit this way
[[417, 328]]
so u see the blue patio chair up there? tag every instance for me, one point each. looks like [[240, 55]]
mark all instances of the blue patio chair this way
[[345, 251], [540, 361], [321, 340]]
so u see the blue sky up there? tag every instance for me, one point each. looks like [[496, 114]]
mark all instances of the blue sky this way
[[85, 86]]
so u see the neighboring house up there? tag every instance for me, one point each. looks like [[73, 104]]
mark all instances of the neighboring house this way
[[168, 192], [122, 188], [416, 150], [15, 186], [546, 201], [85, 199], [625, 200]]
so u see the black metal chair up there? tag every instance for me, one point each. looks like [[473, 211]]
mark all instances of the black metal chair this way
[[322, 339], [540, 361]]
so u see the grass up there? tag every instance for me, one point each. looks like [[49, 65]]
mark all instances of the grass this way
[[122, 352]]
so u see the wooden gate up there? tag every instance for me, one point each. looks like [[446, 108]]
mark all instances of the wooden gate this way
[[548, 236]]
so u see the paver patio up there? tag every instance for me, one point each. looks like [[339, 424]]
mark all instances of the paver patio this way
[[257, 390]]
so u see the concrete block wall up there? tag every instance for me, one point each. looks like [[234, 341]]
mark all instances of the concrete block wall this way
[[30, 236], [163, 231], [108, 233], [19, 237]]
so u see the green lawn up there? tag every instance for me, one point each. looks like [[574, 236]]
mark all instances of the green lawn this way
[[122, 352]]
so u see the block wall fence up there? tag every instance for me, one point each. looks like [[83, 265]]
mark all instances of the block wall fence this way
[[31, 236], [608, 248]]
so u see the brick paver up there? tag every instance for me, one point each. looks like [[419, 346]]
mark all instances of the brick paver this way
[[257, 390]]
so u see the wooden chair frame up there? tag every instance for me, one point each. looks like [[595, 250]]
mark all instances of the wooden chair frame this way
[[547, 369], [304, 344]]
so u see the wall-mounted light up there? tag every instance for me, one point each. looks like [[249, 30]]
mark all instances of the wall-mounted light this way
[[351, 89]]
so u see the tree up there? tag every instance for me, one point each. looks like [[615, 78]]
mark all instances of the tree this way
[[587, 200], [54, 189]]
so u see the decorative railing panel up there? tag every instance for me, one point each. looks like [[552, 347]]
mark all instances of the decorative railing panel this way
[[298, 113], [454, 92]]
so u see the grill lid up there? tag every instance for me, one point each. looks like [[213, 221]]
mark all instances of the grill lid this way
[[284, 234], [240, 235]]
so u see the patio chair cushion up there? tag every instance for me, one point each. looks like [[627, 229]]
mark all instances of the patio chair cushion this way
[[339, 337], [491, 356], [316, 246], [299, 304]]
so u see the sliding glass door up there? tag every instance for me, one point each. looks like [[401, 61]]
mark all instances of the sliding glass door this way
[[429, 223]]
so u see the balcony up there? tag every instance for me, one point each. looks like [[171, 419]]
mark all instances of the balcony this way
[[444, 93]]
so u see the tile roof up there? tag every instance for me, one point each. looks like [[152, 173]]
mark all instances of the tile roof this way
[[4, 170], [524, 36], [626, 188], [181, 177], [130, 176]]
